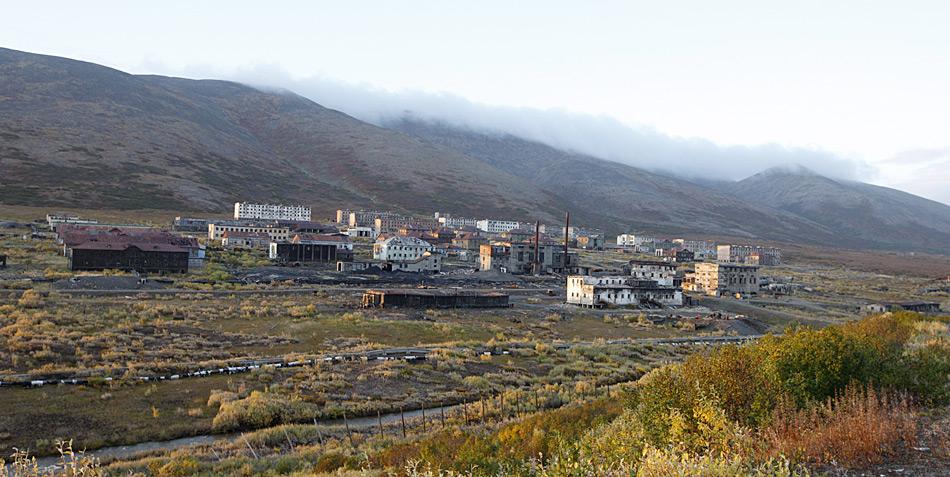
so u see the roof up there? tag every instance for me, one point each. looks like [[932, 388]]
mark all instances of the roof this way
[[400, 240], [256, 235], [118, 245], [300, 238], [652, 263]]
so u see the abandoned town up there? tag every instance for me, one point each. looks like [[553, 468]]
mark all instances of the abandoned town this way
[[531, 240]]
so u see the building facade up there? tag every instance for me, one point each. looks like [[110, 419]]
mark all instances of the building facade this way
[[598, 291], [249, 211], [398, 248], [245, 240], [497, 226], [216, 230], [748, 254], [633, 240], [719, 279], [660, 272], [519, 258]]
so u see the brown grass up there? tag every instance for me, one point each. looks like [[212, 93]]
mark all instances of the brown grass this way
[[859, 427]]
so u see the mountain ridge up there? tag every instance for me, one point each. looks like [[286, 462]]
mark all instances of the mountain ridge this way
[[73, 132]]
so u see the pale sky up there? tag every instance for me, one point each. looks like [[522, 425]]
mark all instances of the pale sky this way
[[866, 81]]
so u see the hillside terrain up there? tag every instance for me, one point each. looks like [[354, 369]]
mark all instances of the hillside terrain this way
[[76, 134], [860, 214]]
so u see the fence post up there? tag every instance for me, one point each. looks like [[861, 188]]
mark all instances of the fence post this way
[[348, 433], [423, 417], [379, 421], [402, 417], [537, 406], [319, 433], [482, 400], [442, 411]]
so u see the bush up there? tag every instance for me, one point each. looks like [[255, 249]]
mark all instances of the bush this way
[[859, 427], [261, 410], [30, 299]]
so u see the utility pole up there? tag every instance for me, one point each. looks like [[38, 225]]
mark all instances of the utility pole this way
[[537, 247]]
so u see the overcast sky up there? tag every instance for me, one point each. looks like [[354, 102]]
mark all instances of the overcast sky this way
[[852, 88]]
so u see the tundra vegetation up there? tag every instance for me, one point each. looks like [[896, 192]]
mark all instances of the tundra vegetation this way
[[810, 401]]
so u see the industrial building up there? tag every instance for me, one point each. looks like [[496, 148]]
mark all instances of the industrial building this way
[[524, 258], [249, 211], [306, 248], [409, 298]]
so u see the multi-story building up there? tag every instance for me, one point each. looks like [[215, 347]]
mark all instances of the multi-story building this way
[[718, 279], [597, 291], [633, 240], [393, 223], [497, 226], [456, 222], [398, 248], [519, 258], [216, 230], [748, 254], [249, 211], [55, 220], [661, 272], [700, 248], [189, 224], [366, 218]]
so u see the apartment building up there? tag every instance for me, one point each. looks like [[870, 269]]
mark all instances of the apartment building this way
[[498, 226], [216, 230], [748, 254], [661, 272], [719, 279], [250, 211]]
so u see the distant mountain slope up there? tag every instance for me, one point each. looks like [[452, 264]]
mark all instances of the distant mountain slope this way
[[83, 135], [75, 133], [613, 195], [860, 214]]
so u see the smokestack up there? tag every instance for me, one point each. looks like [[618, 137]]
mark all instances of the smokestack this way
[[537, 247], [567, 226]]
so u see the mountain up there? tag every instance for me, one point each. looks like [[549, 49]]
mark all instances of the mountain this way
[[78, 134], [612, 195], [861, 215]]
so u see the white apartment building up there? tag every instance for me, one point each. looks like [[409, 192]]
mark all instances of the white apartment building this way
[[457, 222], [597, 291], [400, 249], [249, 211], [660, 272], [633, 240], [497, 226]]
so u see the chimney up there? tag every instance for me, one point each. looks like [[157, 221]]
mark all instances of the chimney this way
[[567, 227], [537, 247]]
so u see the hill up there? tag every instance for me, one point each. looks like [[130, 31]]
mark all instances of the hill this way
[[861, 215], [616, 196], [76, 134], [80, 134]]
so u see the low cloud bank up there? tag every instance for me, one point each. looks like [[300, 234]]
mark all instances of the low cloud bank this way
[[598, 136]]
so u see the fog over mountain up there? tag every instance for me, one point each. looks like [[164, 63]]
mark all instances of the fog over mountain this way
[[598, 136]]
